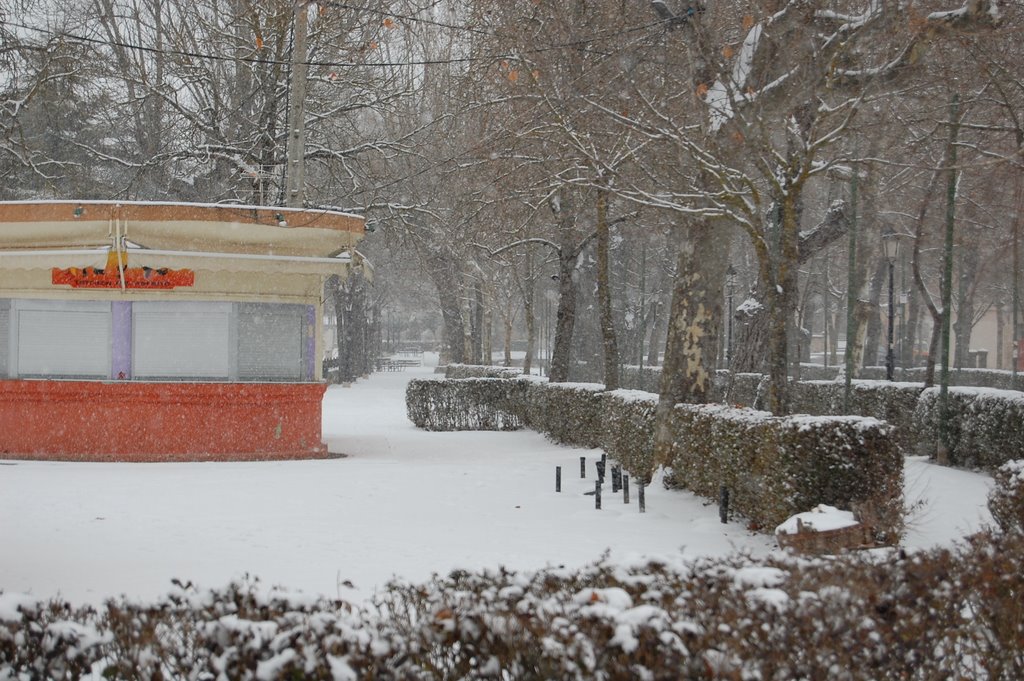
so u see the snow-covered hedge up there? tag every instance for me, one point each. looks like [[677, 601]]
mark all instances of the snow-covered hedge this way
[[481, 371], [986, 425], [1006, 501], [884, 400], [466, 404], [775, 467], [568, 413], [629, 430], [929, 615]]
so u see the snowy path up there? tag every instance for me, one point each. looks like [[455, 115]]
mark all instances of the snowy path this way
[[403, 502]]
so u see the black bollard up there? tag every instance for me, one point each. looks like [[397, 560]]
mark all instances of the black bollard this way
[[723, 503], [625, 489], [616, 479], [640, 497], [599, 465], [597, 494], [583, 467], [558, 478]]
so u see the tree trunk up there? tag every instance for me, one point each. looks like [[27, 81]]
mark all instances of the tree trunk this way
[[782, 303], [444, 275], [964, 324], [609, 343], [530, 313], [565, 317], [508, 341], [908, 352], [873, 336], [477, 327], [750, 347], [694, 322], [656, 341]]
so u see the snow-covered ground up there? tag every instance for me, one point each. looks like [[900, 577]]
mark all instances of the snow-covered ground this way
[[402, 502]]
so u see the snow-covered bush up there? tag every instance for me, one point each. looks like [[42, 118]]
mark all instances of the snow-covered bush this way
[[927, 615], [775, 467], [629, 430], [888, 401], [466, 404], [986, 426], [47, 640], [568, 413], [481, 371], [1006, 501]]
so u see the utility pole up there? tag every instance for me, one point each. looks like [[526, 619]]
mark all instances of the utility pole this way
[[295, 171]]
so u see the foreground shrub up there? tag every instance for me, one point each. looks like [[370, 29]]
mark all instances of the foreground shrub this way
[[1006, 500], [986, 426], [938, 614]]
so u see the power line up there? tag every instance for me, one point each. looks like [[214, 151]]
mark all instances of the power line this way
[[66, 35]]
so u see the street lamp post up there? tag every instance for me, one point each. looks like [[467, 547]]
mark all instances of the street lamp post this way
[[891, 244], [730, 283]]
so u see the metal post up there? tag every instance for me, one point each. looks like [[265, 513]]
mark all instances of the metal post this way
[[583, 467], [891, 247], [730, 280], [625, 489], [723, 504], [890, 357], [558, 478], [597, 494], [640, 497]]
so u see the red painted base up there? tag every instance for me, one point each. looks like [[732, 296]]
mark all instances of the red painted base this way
[[128, 421]]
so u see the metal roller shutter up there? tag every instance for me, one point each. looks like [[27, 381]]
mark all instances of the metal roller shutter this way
[[181, 340], [270, 341], [63, 338]]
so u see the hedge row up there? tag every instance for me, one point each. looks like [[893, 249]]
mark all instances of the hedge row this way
[[470, 404], [930, 615], [986, 425], [773, 467]]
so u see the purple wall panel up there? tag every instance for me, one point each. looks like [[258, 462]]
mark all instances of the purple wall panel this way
[[121, 361], [310, 342]]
